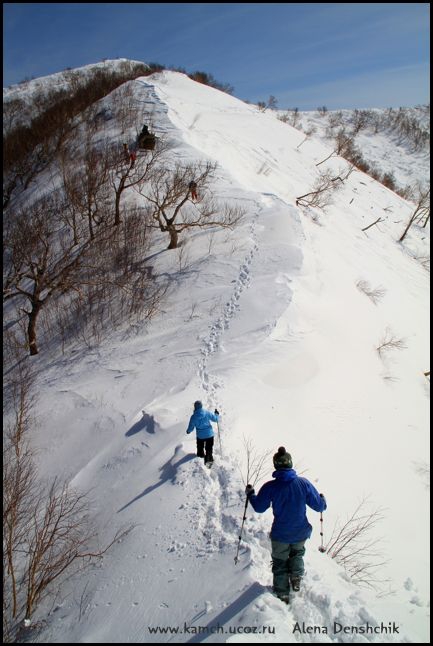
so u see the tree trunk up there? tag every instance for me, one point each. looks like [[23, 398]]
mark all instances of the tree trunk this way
[[173, 237], [119, 192], [89, 218], [407, 229], [31, 328], [117, 208]]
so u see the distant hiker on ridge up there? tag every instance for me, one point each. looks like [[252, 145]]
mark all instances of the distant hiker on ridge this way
[[201, 421], [193, 188], [288, 494], [146, 140], [132, 157]]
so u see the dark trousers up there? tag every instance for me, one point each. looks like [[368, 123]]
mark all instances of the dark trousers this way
[[204, 449], [287, 563]]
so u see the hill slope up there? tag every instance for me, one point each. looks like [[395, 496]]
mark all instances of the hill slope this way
[[267, 324]]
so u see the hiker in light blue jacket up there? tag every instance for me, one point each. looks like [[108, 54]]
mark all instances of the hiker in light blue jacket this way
[[201, 421]]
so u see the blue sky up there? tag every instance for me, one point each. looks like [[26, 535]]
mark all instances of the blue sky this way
[[350, 55]]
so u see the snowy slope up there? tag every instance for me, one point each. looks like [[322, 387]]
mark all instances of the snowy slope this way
[[267, 324], [384, 149]]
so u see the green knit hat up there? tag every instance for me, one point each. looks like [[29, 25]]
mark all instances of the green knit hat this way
[[282, 459]]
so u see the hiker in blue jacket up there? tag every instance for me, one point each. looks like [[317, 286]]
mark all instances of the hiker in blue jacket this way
[[288, 494], [201, 421]]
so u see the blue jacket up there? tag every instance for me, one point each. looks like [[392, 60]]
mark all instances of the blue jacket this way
[[201, 421], [288, 494]]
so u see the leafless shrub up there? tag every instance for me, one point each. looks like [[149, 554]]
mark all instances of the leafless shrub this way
[[85, 182], [360, 120], [14, 112], [335, 119], [325, 185], [256, 463], [424, 261], [117, 285], [310, 130], [388, 180], [125, 106], [390, 342], [292, 117], [208, 79], [192, 314], [345, 147], [407, 126], [272, 102], [354, 546], [374, 294]]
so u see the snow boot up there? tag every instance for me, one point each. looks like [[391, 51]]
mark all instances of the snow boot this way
[[296, 583]]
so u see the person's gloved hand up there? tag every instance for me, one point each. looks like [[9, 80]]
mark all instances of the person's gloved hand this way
[[217, 412], [249, 490]]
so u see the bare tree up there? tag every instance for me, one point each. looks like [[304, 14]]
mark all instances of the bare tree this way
[[272, 102], [24, 159], [46, 531], [19, 479], [344, 147], [85, 182], [126, 106], [127, 171], [422, 209], [171, 207], [295, 117], [42, 259]]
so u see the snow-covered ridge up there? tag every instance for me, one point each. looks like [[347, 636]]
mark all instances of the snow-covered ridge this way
[[59, 80], [267, 324]]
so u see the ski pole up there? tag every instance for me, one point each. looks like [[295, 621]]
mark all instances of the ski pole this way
[[321, 548], [219, 438], [240, 534]]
